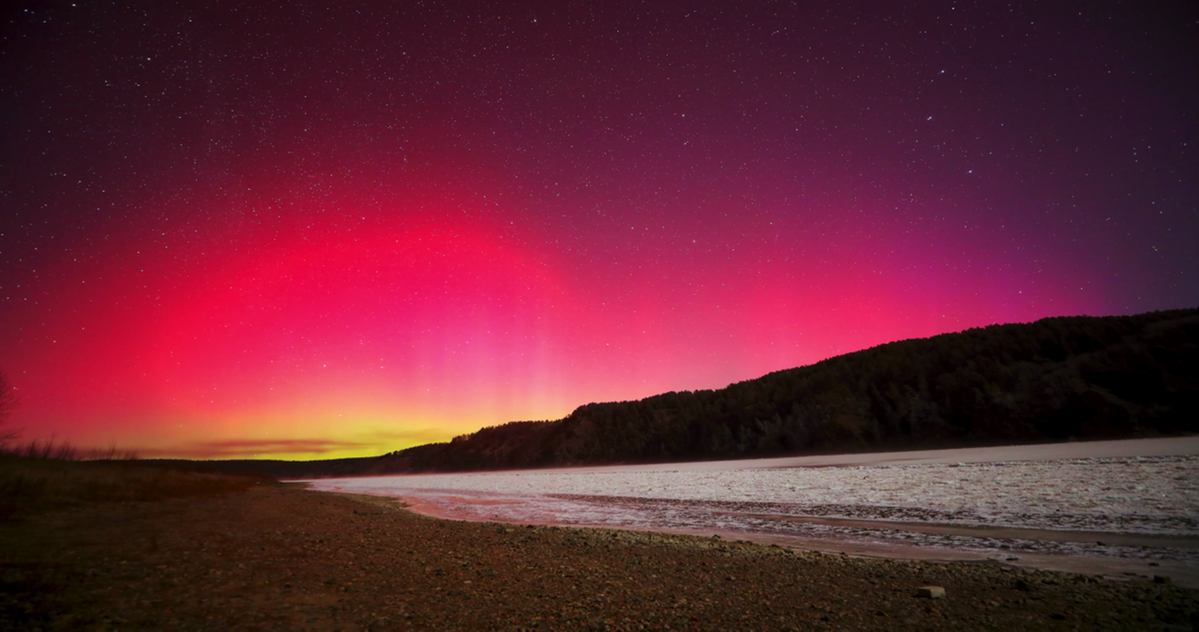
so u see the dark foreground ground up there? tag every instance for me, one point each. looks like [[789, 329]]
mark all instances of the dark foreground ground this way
[[281, 557]]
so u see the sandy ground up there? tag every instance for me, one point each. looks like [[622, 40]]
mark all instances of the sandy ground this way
[[282, 557]]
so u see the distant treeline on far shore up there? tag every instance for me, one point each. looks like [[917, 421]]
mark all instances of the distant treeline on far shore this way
[[1053, 380]]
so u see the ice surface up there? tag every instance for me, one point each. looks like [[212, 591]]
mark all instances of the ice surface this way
[[1146, 488]]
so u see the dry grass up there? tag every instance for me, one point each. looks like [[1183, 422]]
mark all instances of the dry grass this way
[[53, 449], [35, 483]]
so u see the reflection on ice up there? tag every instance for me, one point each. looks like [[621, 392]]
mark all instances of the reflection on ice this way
[[1146, 489]]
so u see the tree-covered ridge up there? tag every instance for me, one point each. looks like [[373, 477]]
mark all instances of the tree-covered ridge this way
[[1057, 378]]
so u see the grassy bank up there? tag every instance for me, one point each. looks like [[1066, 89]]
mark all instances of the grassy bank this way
[[31, 484]]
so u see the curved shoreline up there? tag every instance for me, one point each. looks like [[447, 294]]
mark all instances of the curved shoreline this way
[[863, 521], [1111, 566]]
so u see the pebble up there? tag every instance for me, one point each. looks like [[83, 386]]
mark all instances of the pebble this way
[[931, 592]]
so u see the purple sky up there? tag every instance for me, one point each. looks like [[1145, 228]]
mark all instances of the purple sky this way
[[302, 230]]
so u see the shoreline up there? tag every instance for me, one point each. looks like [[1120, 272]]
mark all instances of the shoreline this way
[[1098, 552], [1109, 566], [281, 556]]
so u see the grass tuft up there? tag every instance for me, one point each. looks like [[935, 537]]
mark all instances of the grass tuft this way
[[52, 449]]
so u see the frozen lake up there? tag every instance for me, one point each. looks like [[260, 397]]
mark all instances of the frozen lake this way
[[1135, 500]]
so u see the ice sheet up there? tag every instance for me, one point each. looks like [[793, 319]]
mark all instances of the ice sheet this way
[[1126, 490]]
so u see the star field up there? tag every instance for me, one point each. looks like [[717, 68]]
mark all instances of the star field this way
[[294, 229]]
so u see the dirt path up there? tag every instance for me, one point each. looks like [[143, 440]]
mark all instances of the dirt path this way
[[281, 557]]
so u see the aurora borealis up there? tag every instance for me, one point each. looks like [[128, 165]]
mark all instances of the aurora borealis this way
[[305, 230]]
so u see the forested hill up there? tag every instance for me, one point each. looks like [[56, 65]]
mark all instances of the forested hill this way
[[1055, 379]]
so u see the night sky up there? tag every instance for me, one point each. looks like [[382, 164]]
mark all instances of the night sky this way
[[283, 229]]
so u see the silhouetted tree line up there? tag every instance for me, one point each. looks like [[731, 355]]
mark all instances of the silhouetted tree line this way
[[1052, 380]]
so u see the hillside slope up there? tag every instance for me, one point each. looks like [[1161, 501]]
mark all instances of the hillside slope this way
[[1055, 379]]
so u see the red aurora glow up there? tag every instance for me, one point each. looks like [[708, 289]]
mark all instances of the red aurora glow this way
[[295, 232]]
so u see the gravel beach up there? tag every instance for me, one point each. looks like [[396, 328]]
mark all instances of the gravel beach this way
[[279, 556]]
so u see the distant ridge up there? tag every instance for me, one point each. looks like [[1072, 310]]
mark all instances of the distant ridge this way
[[1055, 379]]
